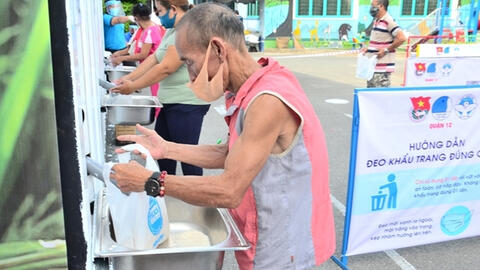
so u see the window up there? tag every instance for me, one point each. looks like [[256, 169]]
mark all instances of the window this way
[[317, 7], [420, 7], [432, 5], [332, 7], [407, 7], [303, 7], [324, 7], [346, 6], [252, 9]]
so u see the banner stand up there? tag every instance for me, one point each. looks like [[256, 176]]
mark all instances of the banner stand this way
[[407, 208], [340, 262], [343, 261]]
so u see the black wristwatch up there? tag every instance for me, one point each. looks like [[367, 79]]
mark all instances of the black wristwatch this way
[[152, 186]]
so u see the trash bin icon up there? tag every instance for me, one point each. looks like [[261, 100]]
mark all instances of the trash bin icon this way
[[378, 201]]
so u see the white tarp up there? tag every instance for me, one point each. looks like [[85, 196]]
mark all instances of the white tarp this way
[[417, 176]]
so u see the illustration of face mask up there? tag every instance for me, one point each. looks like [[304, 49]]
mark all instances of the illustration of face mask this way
[[453, 222], [167, 22], [205, 89], [374, 11]]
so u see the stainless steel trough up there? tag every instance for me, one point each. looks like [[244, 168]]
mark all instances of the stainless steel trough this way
[[130, 109], [198, 238], [115, 73]]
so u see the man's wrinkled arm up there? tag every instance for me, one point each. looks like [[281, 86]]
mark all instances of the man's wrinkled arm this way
[[246, 158], [203, 156]]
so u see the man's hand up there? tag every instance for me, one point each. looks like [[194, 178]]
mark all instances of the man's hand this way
[[149, 139], [130, 176], [124, 87], [363, 50], [381, 53]]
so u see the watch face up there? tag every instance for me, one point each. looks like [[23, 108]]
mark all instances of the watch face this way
[[152, 187]]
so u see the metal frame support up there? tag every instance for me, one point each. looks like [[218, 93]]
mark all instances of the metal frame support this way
[[442, 4], [339, 262], [475, 22], [473, 19], [343, 261]]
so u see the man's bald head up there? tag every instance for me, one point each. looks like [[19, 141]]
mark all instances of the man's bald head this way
[[209, 20]]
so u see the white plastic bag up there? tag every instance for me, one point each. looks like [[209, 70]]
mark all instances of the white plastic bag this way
[[365, 66], [140, 221]]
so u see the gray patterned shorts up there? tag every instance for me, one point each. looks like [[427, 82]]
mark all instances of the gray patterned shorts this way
[[379, 79]]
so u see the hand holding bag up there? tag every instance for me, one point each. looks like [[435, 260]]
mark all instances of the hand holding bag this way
[[140, 221]]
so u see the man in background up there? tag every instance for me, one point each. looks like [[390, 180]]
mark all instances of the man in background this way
[[113, 28], [385, 38]]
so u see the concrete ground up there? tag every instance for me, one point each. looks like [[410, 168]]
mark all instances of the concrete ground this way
[[325, 77]]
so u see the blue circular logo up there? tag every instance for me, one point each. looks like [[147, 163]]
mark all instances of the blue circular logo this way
[[155, 219], [455, 220]]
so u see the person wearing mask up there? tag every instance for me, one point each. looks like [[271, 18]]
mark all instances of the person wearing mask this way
[[145, 42], [385, 38], [113, 28], [181, 117], [131, 31], [275, 163]]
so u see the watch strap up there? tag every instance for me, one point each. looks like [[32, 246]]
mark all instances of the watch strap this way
[[155, 175]]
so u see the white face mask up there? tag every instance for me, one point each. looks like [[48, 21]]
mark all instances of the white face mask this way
[[203, 88]]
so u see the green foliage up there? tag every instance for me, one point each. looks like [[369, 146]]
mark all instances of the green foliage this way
[[32, 255], [25, 81], [32, 222], [272, 3], [128, 7], [29, 53], [395, 3], [270, 44]]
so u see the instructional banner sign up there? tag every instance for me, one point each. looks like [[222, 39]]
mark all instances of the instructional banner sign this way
[[448, 50], [442, 71], [416, 176]]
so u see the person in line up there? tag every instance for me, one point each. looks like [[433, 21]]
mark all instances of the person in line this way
[[130, 49], [385, 38], [181, 117], [131, 31], [238, 15], [113, 28], [146, 42], [275, 163]]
